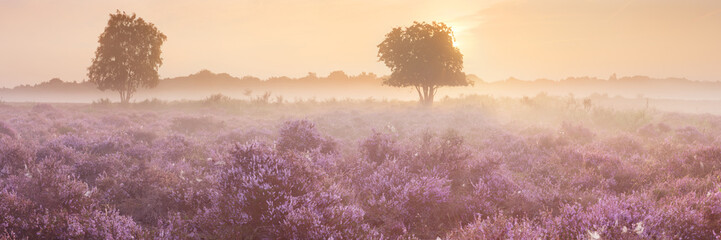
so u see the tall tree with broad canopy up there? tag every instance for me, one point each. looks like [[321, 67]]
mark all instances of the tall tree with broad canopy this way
[[128, 56], [423, 56]]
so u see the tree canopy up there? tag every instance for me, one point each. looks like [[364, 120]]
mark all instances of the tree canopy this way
[[423, 56], [128, 56]]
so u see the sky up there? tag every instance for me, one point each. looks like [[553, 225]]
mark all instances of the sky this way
[[554, 39]]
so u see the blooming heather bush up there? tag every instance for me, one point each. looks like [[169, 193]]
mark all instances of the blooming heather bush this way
[[448, 151], [577, 133], [50, 185], [548, 141], [177, 148], [321, 216], [412, 193], [402, 203], [141, 191], [648, 130], [687, 217], [90, 169], [7, 130], [116, 142], [263, 194], [43, 107], [445, 155], [116, 120], [189, 194], [690, 135], [654, 130], [569, 223], [74, 142], [379, 147], [628, 120], [18, 215], [498, 227], [624, 145], [511, 150], [21, 217], [683, 186], [696, 162], [14, 157], [635, 217], [102, 224], [614, 218], [301, 135], [193, 124], [703, 161], [243, 137], [142, 136], [500, 193]]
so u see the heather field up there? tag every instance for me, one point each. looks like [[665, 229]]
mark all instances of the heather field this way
[[470, 168]]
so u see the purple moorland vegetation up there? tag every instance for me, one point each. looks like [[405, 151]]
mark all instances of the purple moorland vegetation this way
[[357, 171]]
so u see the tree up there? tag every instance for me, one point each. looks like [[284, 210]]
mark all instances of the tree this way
[[128, 56], [422, 56]]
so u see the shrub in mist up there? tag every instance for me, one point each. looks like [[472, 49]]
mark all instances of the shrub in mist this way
[[6, 130], [301, 135], [265, 194], [379, 147], [194, 124]]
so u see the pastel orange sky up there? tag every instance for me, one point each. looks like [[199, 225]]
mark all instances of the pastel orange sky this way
[[43, 39]]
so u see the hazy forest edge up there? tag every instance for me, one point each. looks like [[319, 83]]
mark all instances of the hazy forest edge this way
[[340, 85]]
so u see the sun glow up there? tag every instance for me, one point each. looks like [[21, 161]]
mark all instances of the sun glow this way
[[458, 30]]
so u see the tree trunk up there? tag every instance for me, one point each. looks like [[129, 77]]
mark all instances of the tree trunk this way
[[420, 95], [124, 97], [427, 96], [431, 95]]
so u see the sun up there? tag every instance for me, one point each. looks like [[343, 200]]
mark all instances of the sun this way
[[457, 30]]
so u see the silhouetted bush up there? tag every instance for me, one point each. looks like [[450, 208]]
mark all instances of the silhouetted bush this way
[[217, 99], [103, 102]]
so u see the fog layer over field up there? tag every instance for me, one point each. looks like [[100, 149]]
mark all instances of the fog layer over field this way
[[638, 92]]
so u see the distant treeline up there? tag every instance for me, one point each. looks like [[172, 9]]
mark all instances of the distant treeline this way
[[339, 85]]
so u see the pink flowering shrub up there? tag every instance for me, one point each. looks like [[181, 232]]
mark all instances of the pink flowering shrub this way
[[498, 227], [7, 130], [576, 133], [379, 148], [15, 158], [301, 135], [193, 124], [265, 194]]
